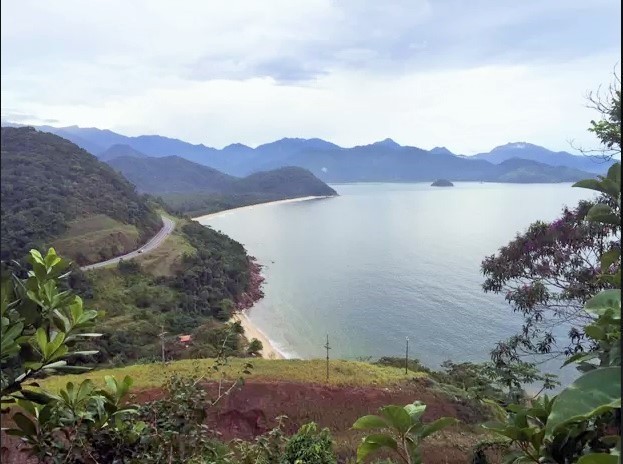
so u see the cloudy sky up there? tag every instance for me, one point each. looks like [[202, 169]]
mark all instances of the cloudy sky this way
[[468, 75]]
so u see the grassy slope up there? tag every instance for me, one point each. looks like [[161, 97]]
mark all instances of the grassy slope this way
[[166, 259], [97, 237], [351, 373]]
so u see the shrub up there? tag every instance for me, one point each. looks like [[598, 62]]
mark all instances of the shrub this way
[[309, 446]]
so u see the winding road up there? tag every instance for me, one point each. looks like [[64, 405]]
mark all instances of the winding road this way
[[155, 242]]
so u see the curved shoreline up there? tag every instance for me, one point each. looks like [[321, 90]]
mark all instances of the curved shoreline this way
[[276, 202], [269, 350]]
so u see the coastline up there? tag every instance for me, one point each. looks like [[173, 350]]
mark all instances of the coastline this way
[[246, 301], [251, 331], [254, 293], [276, 202]]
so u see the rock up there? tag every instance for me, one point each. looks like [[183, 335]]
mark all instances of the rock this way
[[442, 183]]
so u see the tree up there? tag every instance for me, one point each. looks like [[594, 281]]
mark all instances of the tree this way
[[583, 423], [608, 127], [255, 347], [549, 272]]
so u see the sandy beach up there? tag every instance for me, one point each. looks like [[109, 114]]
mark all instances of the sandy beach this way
[[259, 205], [250, 331]]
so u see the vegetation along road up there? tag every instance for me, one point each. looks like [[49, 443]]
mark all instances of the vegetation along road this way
[[154, 243]]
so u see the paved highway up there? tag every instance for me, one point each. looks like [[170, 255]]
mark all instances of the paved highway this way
[[155, 242]]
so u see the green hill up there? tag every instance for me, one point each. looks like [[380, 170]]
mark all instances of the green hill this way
[[172, 174], [191, 188], [289, 181], [55, 193]]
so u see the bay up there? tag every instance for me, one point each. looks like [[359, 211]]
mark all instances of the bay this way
[[383, 261]]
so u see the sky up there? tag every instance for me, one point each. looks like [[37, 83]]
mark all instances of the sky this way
[[467, 75]]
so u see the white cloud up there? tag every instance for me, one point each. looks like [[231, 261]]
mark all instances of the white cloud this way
[[251, 72]]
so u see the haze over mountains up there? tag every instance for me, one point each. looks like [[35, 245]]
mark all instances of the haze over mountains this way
[[381, 161]]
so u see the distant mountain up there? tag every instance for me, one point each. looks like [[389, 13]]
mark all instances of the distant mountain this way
[[97, 141], [173, 174], [516, 170], [120, 150], [440, 151], [289, 181], [532, 152], [55, 193], [385, 160]]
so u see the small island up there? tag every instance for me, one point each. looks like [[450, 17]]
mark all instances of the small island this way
[[442, 183]]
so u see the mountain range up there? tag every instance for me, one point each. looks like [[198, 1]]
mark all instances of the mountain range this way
[[173, 174], [385, 160]]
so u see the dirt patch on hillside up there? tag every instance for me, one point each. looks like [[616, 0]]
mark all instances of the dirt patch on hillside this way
[[252, 410]]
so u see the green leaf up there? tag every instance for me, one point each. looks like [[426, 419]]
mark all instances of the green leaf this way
[[369, 422], [415, 411], [603, 214], [61, 321], [42, 339], [614, 173], [580, 357], [373, 443], [599, 458], [71, 369], [608, 258], [592, 394], [55, 364], [591, 184], [84, 353], [397, 417], [24, 423], [36, 397], [603, 301], [437, 425]]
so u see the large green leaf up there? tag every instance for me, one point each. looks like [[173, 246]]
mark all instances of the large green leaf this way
[[369, 422], [397, 417], [602, 213], [415, 411], [24, 423], [437, 425], [591, 184], [594, 393], [599, 458], [603, 301], [373, 443], [614, 173], [36, 397]]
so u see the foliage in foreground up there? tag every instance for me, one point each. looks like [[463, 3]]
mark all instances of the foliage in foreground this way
[[582, 423], [403, 431]]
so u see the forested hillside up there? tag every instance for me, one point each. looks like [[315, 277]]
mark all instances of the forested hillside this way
[[190, 188], [52, 190]]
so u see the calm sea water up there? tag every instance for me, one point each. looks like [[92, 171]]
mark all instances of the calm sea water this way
[[383, 262]]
